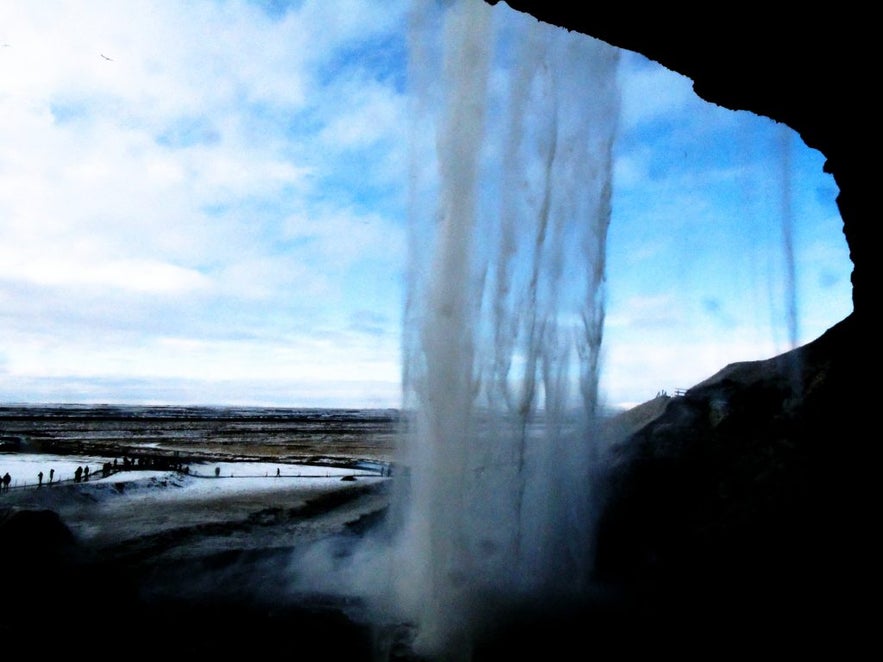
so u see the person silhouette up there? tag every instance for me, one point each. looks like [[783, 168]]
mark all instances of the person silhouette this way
[[40, 479], [6, 480]]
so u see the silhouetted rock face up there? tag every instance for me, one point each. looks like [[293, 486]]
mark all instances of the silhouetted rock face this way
[[745, 506], [741, 518]]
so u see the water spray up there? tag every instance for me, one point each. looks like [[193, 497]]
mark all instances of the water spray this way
[[504, 318]]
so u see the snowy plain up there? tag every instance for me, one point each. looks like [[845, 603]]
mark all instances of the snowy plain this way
[[24, 470], [134, 503]]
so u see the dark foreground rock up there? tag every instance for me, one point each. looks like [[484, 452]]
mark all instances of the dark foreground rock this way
[[63, 600], [64, 596]]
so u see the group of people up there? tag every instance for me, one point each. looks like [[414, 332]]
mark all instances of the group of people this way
[[82, 473], [40, 477], [6, 480]]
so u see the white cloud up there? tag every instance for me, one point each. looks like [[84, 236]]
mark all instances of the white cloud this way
[[224, 198], [638, 363], [660, 310], [362, 113], [338, 237], [156, 152], [322, 359], [138, 275], [651, 92]]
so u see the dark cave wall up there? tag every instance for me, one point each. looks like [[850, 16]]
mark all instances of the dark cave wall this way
[[808, 69]]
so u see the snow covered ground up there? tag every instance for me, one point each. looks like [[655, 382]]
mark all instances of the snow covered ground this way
[[24, 470], [246, 504]]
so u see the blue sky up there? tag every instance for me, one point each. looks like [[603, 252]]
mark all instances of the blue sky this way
[[205, 202]]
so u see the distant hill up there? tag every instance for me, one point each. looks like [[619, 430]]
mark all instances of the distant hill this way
[[624, 424]]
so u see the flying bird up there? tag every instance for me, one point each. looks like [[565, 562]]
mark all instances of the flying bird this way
[[105, 57]]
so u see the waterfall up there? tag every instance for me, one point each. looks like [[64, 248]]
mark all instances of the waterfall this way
[[512, 137]]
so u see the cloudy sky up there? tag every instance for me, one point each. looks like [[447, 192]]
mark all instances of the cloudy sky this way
[[206, 202]]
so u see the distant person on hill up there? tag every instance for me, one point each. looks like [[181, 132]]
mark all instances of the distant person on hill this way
[[6, 480], [40, 479], [277, 472], [217, 472], [51, 475], [86, 474], [78, 474]]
